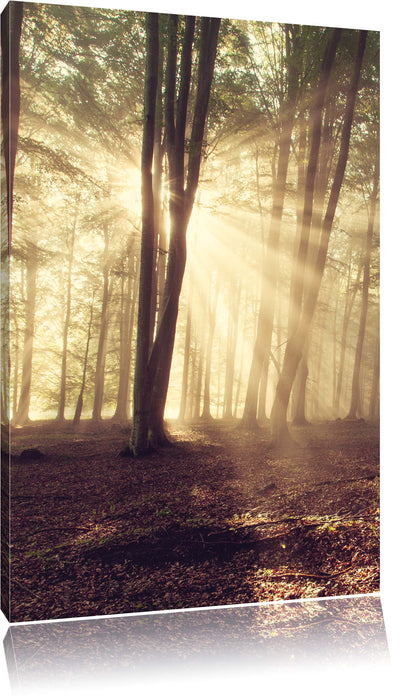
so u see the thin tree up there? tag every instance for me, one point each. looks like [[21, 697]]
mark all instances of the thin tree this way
[[11, 25], [70, 244], [262, 346], [350, 295], [373, 412], [139, 434], [296, 341], [355, 407], [104, 328], [129, 295], [79, 403], [33, 258], [231, 345], [186, 363], [212, 303]]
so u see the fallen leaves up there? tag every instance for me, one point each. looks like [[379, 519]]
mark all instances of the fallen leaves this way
[[196, 524]]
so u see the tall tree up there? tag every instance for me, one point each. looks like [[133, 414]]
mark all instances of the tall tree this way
[[270, 271], [129, 297], [104, 326], [79, 403], [374, 398], [187, 352], [231, 345], [142, 385], [350, 295], [212, 308], [296, 341], [299, 268], [181, 200], [11, 24], [32, 258], [355, 407], [70, 246]]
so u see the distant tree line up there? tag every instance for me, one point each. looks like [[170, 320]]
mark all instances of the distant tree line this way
[[195, 209]]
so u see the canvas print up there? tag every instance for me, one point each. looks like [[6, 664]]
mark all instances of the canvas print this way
[[190, 311]]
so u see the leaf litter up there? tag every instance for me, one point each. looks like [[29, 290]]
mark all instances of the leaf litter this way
[[219, 518]]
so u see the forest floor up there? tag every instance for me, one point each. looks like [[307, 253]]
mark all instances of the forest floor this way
[[220, 517]]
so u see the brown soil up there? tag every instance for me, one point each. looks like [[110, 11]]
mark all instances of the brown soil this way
[[221, 517]]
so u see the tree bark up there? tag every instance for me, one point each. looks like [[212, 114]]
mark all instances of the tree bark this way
[[298, 275], [181, 200], [22, 416], [142, 386], [232, 334], [11, 25], [128, 304], [270, 273], [157, 174], [206, 413], [374, 398], [16, 335], [349, 302], [79, 404], [299, 409], [62, 395], [355, 407], [102, 345], [186, 363], [295, 344]]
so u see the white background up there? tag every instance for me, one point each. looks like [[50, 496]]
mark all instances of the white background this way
[[388, 18]]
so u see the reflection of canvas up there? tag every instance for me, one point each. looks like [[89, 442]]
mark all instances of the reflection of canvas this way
[[238, 641], [190, 312]]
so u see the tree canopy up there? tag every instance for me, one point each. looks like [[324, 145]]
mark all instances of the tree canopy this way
[[231, 160]]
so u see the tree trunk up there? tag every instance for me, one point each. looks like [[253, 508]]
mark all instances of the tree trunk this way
[[11, 24], [31, 291], [162, 250], [181, 200], [270, 273], [102, 346], [79, 404], [128, 304], [142, 386], [16, 336], [263, 338], [232, 334], [157, 173], [299, 408], [186, 363], [62, 395], [334, 357], [295, 344], [206, 414], [355, 408], [263, 388], [242, 359], [199, 380], [306, 260], [296, 295], [298, 276], [374, 399], [349, 302]]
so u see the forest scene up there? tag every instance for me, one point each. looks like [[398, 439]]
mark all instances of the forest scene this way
[[190, 311]]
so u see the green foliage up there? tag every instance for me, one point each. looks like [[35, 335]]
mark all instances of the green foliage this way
[[79, 153]]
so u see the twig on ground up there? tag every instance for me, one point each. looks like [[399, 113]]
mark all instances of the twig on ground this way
[[320, 575]]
